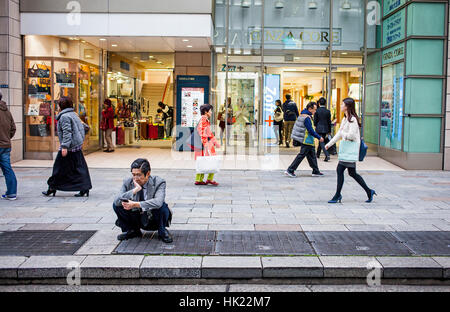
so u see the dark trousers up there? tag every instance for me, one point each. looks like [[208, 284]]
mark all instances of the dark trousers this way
[[322, 145], [352, 172], [131, 220], [309, 152], [279, 133]]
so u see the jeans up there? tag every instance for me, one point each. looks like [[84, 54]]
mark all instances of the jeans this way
[[309, 152], [322, 145], [131, 220], [168, 124], [10, 177]]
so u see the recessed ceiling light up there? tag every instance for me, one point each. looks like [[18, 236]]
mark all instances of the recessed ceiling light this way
[[189, 46], [151, 56], [344, 53], [114, 45], [185, 40], [102, 39], [159, 62], [83, 41]]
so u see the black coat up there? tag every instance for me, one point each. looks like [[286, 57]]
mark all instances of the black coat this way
[[322, 120]]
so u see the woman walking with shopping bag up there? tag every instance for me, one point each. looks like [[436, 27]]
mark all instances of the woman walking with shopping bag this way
[[349, 150], [208, 142], [70, 171]]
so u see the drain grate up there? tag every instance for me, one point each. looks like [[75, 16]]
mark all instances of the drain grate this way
[[262, 243], [42, 243], [184, 243], [427, 243], [357, 243]]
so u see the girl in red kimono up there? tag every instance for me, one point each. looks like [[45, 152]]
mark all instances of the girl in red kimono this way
[[208, 141]]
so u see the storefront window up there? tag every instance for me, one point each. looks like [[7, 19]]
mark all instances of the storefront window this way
[[392, 106]]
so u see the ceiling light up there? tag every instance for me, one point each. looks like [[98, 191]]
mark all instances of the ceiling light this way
[[83, 41], [279, 4], [312, 5], [219, 1], [346, 5], [344, 53], [219, 50], [189, 46], [159, 62], [114, 45], [102, 39], [246, 3], [151, 56], [185, 40]]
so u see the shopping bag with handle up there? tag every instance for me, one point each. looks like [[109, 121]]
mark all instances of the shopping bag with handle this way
[[208, 164]]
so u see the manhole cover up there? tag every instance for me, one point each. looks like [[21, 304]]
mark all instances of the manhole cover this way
[[357, 243], [433, 243], [184, 242], [42, 243], [262, 243]]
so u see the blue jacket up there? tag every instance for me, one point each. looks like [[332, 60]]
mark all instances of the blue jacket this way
[[290, 111], [309, 129]]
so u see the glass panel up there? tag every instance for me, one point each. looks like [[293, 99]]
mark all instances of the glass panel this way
[[373, 67], [425, 57], [371, 129], [39, 108], [348, 21], [422, 135], [426, 19], [392, 106], [423, 96], [373, 98]]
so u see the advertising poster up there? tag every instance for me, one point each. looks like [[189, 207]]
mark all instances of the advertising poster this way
[[271, 94], [191, 100]]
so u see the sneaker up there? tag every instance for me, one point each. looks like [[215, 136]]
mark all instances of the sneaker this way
[[317, 174], [290, 174], [327, 158], [8, 197]]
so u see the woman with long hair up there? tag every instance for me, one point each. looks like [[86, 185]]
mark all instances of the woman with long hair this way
[[107, 124], [349, 131], [70, 171]]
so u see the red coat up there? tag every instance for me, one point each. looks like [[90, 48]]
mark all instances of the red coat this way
[[107, 119], [208, 139]]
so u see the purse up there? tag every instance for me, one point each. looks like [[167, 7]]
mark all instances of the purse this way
[[348, 151], [42, 129], [63, 77], [45, 109], [32, 88], [41, 89], [33, 71], [278, 116], [231, 120], [33, 110], [362, 150], [43, 73]]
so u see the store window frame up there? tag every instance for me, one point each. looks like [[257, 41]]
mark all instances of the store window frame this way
[[330, 65]]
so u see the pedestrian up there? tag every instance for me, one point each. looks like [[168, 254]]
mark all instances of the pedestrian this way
[[278, 117], [141, 204], [107, 124], [208, 142], [221, 119], [230, 119], [7, 131], [290, 112], [303, 132], [349, 131], [70, 171], [168, 118], [322, 122]]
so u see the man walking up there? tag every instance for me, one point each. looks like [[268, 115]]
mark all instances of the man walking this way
[[322, 122], [304, 133], [7, 131], [290, 112]]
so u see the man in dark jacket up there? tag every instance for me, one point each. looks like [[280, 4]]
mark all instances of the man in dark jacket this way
[[322, 122], [290, 112], [7, 131], [304, 133]]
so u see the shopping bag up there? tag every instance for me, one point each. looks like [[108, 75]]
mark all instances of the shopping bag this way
[[208, 164], [348, 151]]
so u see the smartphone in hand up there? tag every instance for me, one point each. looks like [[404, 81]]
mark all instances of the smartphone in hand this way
[[124, 200]]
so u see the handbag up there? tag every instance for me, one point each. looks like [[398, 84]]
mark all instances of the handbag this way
[[41, 89], [32, 88], [208, 164], [33, 110], [45, 109], [362, 150], [42, 129], [231, 120], [63, 77], [43, 72], [278, 116], [348, 151], [33, 71]]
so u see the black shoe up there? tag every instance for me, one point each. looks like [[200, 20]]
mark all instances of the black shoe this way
[[82, 193], [327, 158], [317, 174], [49, 192], [287, 145], [129, 235], [166, 238]]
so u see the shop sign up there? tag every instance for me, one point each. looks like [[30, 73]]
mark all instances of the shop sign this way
[[66, 85], [295, 36], [394, 28], [391, 5], [4, 86], [393, 54], [271, 94]]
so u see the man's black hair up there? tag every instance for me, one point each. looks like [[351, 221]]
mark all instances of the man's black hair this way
[[205, 108], [288, 96], [311, 105], [322, 101], [161, 104], [141, 164], [159, 110]]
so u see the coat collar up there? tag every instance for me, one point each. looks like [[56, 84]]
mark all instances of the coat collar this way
[[67, 110]]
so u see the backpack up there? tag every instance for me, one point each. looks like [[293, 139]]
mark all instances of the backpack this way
[[170, 112], [290, 113]]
